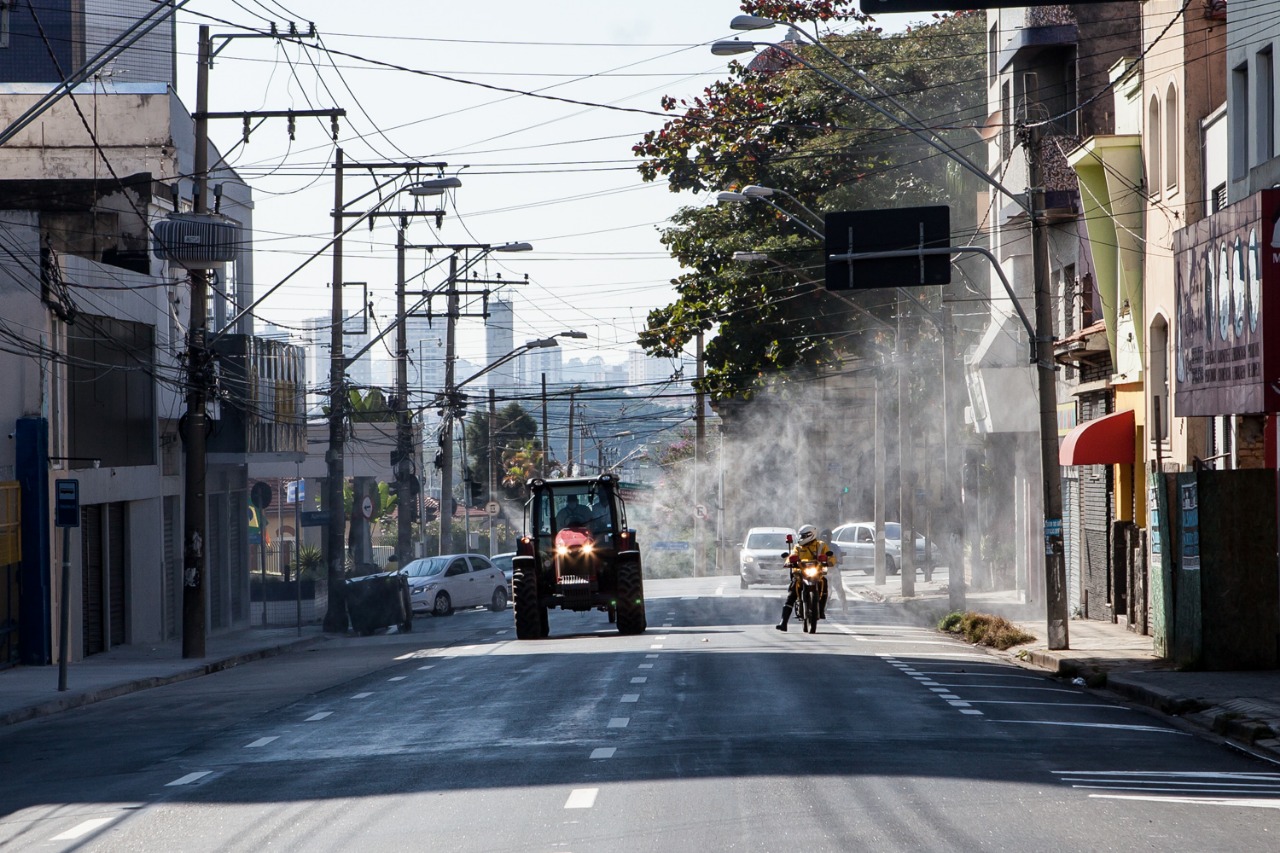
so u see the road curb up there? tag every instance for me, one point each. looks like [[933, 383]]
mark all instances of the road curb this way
[[88, 697]]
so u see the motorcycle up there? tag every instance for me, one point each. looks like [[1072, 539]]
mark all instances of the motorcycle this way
[[811, 575]]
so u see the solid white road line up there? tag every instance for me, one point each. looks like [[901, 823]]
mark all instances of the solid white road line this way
[[262, 741], [619, 722], [604, 752], [82, 829], [1118, 726], [581, 798], [189, 778], [1195, 801], [319, 715]]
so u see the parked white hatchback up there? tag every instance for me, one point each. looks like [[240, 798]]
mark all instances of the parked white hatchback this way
[[439, 585]]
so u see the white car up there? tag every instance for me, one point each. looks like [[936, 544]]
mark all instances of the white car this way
[[761, 554], [438, 585], [857, 543]]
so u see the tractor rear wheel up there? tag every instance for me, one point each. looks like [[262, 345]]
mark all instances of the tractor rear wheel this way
[[631, 618], [530, 618]]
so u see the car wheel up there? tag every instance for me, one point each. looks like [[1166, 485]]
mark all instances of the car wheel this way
[[443, 605], [890, 567], [499, 602]]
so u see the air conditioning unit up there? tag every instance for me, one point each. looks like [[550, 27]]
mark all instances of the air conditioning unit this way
[[197, 240]]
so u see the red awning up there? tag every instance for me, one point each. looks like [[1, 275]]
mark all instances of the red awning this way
[[1107, 440]]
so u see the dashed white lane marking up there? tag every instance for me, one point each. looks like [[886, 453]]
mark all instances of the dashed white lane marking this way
[[362, 696], [428, 666], [639, 679], [83, 828], [619, 722], [581, 798], [971, 711], [651, 656], [939, 689], [397, 678], [948, 696], [925, 681], [503, 631], [189, 778], [630, 697], [262, 741], [645, 666], [956, 702], [604, 752], [656, 646], [666, 624], [319, 715]]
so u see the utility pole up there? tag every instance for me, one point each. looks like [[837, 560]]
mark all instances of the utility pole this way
[[546, 446], [450, 406], [1056, 611], [335, 617], [570, 462], [952, 494], [404, 428], [199, 374], [880, 454], [493, 422], [699, 443], [906, 482]]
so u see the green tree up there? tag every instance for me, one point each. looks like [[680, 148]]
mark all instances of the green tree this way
[[778, 124], [513, 427]]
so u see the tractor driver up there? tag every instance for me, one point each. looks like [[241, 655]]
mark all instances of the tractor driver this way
[[573, 514], [808, 547]]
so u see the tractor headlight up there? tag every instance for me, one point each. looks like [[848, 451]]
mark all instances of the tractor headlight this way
[[587, 547], [562, 550]]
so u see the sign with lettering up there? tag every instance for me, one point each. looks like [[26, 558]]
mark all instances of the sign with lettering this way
[[1225, 265]]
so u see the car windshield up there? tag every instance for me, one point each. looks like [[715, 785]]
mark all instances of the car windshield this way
[[892, 530], [426, 568], [767, 541]]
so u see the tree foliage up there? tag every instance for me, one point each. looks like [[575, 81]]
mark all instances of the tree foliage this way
[[514, 427], [777, 123]]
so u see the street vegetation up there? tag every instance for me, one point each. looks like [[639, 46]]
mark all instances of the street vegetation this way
[[985, 629]]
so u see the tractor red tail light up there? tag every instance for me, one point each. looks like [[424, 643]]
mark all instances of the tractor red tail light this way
[[524, 547]]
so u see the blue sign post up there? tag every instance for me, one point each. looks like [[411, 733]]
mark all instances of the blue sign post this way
[[66, 514]]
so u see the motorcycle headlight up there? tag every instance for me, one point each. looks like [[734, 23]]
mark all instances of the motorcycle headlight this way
[[811, 571]]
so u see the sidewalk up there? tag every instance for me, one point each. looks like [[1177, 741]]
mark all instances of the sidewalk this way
[[1243, 706], [27, 692]]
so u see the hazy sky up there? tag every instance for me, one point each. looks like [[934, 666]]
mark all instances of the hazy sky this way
[[416, 79]]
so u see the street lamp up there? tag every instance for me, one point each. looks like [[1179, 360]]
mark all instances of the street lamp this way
[[743, 197], [754, 191], [452, 402]]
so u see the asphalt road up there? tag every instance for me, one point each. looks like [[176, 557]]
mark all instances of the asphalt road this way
[[711, 731]]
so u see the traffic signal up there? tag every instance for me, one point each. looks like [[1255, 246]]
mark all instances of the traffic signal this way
[[477, 494], [430, 511]]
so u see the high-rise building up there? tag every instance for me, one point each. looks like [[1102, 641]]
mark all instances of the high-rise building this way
[[354, 338], [499, 339], [536, 362]]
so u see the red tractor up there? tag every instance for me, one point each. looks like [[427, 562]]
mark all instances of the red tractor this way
[[577, 554]]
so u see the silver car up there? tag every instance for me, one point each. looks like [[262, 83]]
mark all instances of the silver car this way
[[857, 543], [438, 585], [761, 555]]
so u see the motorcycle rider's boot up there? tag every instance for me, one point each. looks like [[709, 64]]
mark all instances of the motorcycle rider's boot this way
[[786, 615]]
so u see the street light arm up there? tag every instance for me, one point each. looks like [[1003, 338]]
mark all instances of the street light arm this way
[[753, 191]]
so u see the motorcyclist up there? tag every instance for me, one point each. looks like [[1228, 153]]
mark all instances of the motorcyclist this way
[[808, 547]]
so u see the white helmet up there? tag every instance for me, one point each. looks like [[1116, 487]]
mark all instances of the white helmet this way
[[808, 533]]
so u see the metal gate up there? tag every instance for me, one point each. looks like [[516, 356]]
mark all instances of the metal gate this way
[[215, 559], [104, 569], [170, 578]]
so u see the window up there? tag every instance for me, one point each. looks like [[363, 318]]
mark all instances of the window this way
[[1158, 340], [1171, 125], [1006, 126], [1266, 105], [993, 46], [1239, 159], [1153, 147], [864, 535]]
